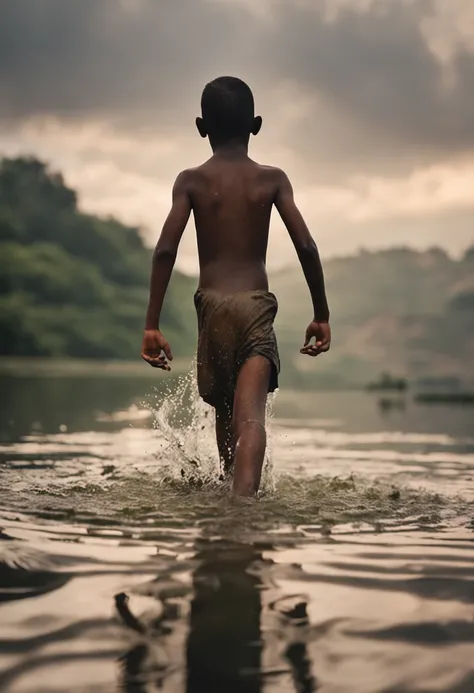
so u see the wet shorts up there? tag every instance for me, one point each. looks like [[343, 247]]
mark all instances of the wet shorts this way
[[233, 328]]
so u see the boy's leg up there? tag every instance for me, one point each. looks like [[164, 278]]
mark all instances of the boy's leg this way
[[249, 424], [224, 436]]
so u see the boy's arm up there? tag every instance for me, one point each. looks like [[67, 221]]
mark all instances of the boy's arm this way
[[308, 255], [164, 258]]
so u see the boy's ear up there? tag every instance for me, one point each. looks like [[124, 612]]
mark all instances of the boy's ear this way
[[201, 127], [257, 124]]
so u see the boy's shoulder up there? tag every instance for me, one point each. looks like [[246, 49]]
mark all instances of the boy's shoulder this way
[[187, 174], [275, 176], [209, 164], [188, 177], [272, 172]]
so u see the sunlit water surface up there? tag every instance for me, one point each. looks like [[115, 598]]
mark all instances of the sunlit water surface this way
[[125, 564]]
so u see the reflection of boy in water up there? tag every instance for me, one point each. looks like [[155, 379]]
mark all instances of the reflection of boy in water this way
[[232, 197], [224, 644], [224, 649]]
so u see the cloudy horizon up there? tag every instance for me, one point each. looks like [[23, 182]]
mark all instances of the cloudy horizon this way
[[367, 104]]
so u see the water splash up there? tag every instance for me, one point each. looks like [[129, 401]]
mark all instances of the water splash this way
[[188, 426]]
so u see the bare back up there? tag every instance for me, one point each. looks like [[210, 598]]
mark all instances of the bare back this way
[[232, 200]]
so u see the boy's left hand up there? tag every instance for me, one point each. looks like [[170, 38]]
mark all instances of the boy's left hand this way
[[153, 345], [321, 332]]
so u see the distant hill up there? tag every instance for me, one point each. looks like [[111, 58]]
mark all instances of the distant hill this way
[[399, 310], [73, 284]]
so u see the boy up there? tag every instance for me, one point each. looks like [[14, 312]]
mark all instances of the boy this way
[[232, 197]]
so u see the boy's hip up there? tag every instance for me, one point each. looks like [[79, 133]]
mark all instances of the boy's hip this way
[[236, 311]]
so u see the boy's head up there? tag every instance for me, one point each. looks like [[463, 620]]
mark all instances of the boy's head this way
[[227, 108]]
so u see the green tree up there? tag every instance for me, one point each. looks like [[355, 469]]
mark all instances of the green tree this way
[[73, 284]]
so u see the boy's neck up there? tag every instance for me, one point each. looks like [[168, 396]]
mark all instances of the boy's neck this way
[[232, 149]]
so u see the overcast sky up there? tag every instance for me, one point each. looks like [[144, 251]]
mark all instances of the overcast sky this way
[[367, 104]]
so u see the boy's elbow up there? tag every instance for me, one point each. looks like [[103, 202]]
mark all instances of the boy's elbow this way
[[308, 251], [164, 254]]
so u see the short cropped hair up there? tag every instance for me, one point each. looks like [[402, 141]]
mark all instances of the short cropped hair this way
[[227, 107]]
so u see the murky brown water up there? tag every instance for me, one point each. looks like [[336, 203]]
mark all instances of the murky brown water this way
[[124, 564]]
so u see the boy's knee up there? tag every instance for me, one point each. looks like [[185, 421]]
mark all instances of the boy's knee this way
[[240, 425]]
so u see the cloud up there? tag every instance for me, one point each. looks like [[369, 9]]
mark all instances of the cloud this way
[[372, 73], [449, 29], [129, 60], [369, 104]]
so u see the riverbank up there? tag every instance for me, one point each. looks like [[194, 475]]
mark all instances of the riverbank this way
[[47, 367]]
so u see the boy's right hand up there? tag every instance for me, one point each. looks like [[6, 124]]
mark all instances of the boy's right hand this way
[[322, 334], [152, 347]]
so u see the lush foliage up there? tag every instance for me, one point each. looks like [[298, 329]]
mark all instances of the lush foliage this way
[[72, 283]]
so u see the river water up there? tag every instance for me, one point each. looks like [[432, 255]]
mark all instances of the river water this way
[[126, 565]]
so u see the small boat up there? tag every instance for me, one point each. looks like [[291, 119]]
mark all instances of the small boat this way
[[445, 397], [387, 383], [445, 390]]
